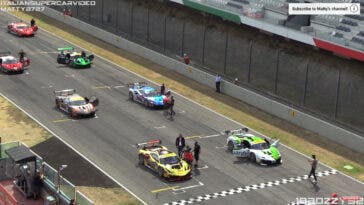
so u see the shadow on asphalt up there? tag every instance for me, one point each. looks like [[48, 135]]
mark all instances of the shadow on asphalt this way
[[79, 171]]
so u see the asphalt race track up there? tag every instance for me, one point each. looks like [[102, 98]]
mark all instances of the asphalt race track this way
[[109, 139]]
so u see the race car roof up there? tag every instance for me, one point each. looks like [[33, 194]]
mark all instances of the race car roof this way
[[76, 97], [69, 48], [147, 89], [5, 58], [75, 54], [168, 154], [20, 24]]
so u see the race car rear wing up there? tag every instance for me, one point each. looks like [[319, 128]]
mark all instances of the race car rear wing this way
[[151, 143], [65, 92], [130, 85], [69, 48], [237, 131], [5, 53]]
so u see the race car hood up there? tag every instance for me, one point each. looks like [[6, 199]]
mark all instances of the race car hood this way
[[82, 61], [156, 100], [271, 154], [84, 109], [26, 31], [179, 169], [13, 66]]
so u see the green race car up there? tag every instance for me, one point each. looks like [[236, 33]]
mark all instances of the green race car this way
[[257, 149], [68, 56]]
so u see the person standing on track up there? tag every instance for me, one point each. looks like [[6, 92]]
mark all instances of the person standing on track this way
[[163, 89], [171, 105], [21, 55], [196, 153], [32, 22], [313, 162], [180, 144]]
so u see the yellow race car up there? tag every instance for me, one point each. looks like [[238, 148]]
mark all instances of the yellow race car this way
[[163, 161]]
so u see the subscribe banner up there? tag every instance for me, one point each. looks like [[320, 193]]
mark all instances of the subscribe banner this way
[[324, 9]]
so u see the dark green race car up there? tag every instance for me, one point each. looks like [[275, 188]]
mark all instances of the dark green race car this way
[[68, 56]]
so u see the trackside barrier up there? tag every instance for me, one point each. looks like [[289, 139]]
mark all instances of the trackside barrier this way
[[82, 199], [67, 189], [50, 174], [6, 198]]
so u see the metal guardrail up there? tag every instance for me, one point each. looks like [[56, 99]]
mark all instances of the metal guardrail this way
[[67, 189], [82, 199]]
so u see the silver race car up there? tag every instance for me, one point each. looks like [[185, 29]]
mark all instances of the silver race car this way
[[74, 104]]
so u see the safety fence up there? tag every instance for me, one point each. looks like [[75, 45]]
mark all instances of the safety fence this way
[[52, 178]]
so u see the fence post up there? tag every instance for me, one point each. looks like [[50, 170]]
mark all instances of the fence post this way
[[277, 68], [203, 43], [250, 59], [226, 48], [131, 19], [183, 36], [165, 33], [306, 82], [148, 24], [337, 93]]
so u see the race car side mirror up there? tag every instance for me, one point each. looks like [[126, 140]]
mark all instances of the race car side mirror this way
[[275, 143], [94, 101], [91, 57]]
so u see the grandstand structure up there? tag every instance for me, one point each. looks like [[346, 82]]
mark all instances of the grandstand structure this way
[[342, 35]]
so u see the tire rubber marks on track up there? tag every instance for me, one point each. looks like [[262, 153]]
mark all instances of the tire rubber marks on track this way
[[202, 137], [107, 87], [248, 188], [160, 127]]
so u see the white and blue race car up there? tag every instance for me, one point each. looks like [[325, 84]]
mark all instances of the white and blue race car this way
[[147, 95]]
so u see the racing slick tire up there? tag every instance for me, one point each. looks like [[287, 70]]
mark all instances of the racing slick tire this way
[[141, 159], [146, 103], [160, 172], [230, 146], [57, 104], [131, 96], [71, 113], [252, 157]]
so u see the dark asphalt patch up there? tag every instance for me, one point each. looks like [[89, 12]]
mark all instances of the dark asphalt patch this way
[[79, 171]]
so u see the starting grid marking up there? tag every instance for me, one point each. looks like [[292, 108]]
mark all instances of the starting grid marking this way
[[248, 188]]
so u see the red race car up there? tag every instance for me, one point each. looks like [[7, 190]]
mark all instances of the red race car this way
[[10, 64], [22, 29]]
